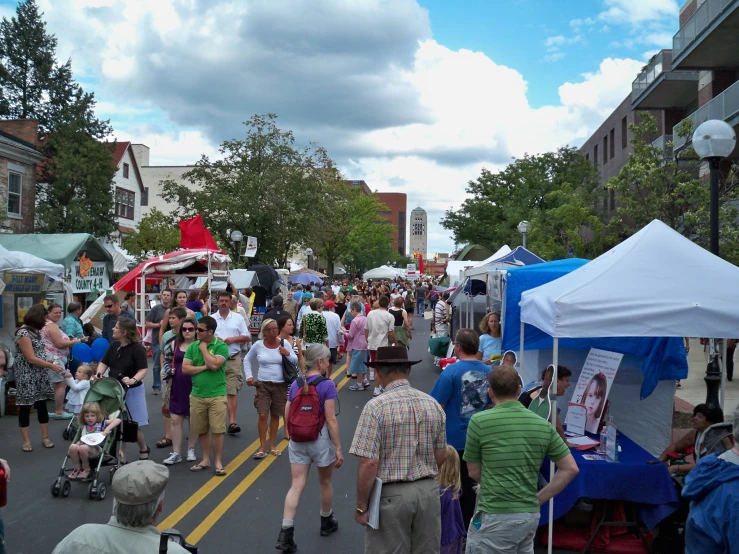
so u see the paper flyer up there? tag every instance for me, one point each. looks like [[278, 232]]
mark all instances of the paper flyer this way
[[251, 247], [594, 384]]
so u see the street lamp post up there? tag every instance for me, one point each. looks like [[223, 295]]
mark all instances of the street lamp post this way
[[309, 255], [237, 237], [714, 140], [524, 227]]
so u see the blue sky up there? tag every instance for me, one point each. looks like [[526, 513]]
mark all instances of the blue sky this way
[[413, 96]]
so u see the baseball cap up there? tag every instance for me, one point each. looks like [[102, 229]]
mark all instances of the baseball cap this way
[[139, 482]]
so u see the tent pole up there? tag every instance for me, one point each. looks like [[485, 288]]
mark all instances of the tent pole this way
[[520, 355], [553, 408], [722, 391]]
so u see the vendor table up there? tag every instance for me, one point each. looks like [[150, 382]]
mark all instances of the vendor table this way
[[630, 479]]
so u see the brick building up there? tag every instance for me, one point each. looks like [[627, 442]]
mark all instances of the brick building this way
[[19, 156], [396, 203]]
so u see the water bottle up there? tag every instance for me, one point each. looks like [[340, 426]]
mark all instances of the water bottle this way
[[603, 438]]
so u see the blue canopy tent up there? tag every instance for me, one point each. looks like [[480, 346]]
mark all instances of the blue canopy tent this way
[[664, 358]]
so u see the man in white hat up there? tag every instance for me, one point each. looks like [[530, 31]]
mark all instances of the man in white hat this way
[[138, 489]]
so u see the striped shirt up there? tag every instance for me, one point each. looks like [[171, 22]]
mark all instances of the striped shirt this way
[[401, 428], [510, 442]]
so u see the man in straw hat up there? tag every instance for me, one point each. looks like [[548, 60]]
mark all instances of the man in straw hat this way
[[401, 439], [138, 489]]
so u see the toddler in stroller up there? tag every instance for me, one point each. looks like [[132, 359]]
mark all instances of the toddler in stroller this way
[[78, 388], [91, 420]]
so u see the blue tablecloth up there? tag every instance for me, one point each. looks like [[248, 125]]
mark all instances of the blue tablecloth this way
[[630, 479]]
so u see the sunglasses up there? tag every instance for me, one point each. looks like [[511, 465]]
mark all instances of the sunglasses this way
[[188, 329], [199, 330], [108, 306]]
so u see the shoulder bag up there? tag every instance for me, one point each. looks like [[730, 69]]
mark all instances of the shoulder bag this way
[[289, 369]]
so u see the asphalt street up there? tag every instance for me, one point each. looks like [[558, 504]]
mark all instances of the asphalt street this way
[[241, 512]]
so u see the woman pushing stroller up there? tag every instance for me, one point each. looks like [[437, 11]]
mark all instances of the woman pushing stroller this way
[[92, 419]]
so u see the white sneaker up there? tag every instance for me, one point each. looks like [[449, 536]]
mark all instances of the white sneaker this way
[[174, 458], [377, 391], [191, 455]]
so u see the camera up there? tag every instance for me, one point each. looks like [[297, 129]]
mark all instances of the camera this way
[[174, 535]]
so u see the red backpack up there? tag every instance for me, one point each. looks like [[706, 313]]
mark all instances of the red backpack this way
[[305, 419]]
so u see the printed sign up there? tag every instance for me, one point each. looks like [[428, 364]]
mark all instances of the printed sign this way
[[89, 277], [256, 319], [411, 267], [23, 282], [576, 416], [594, 384], [251, 247]]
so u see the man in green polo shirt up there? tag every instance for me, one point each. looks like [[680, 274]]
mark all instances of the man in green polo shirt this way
[[205, 360], [505, 448]]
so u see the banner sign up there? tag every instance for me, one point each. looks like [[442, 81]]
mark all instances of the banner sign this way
[[593, 386], [89, 277], [23, 282], [251, 247]]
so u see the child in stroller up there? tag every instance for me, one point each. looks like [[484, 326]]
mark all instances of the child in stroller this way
[[78, 388], [91, 420]]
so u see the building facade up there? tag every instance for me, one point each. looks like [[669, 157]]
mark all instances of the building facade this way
[[128, 188], [19, 156], [419, 233], [395, 212]]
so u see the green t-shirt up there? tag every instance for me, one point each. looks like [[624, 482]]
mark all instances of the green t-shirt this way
[[510, 442], [208, 383]]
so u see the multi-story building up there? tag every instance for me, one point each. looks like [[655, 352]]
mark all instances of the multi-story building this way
[[395, 212], [419, 233], [18, 159], [129, 191]]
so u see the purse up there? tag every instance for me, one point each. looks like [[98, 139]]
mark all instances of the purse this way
[[289, 369]]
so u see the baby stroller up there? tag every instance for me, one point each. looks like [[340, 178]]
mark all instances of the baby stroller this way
[[110, 395], [71, 429]]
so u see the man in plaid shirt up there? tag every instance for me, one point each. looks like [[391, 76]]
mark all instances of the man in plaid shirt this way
[[400, 438]]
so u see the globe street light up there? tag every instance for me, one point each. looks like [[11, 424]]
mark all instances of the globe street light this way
[[524, 227], [713, 140], [236, 238], [309, 255]]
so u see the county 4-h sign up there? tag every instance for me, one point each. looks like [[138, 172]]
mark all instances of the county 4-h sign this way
[[94, 276]]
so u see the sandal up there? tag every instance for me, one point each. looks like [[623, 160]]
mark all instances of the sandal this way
[[220, 472], [233, 429], [164, 443], [27, 447], [145, 452], [275, 452], [198, 468], [47, 443], [259, 455]]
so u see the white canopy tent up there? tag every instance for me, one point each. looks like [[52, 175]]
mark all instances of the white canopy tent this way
[[382, 272], [482, 268], [657, 283], [22, 262], [455, 270]]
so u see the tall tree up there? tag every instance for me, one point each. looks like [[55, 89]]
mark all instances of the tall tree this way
[[653, 185], [265, 186], [528, 189], [156, 234]]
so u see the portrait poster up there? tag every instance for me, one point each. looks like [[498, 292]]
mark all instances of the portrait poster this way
[[594, 385]]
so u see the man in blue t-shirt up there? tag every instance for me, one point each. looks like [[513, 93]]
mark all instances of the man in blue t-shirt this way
[[462, 390]]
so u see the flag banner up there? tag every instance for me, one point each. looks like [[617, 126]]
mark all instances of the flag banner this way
[[251, 247]]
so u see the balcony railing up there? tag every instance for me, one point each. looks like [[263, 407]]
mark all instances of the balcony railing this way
[[698, 22], [662, 144], [723, 107], [648, 75]]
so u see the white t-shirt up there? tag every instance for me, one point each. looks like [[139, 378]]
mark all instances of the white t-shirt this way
[[333, 322], [233, 325], [379, 324], [270, 362]]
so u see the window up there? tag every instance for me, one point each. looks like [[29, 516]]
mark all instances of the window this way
[[587, 157], [624, 133], [125, 171], [611, 199], [15, 191], [124, 203], [145, 197], [605, 150], [612, 138], [595, 155]]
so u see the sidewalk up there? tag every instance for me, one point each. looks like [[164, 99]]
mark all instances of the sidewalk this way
[[693, 389]]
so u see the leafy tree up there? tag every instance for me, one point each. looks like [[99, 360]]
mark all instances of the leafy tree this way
[[555, 192], [652, 185], [349, 228], [156, 234], [265, 186]]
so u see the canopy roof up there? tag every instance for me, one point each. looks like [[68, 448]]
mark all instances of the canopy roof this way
[[311, 271], [62, 248], [473, 253], [656, 283], [382, 272], [22, 262], [171, 263]]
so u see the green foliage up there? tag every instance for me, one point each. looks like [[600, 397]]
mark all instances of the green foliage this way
[[265, 186], [555, 192], [156, 234], [654, 186]]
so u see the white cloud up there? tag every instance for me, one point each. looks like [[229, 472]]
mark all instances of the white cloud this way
[[577, 23], [555, 41], [553, 57], [638, 12]]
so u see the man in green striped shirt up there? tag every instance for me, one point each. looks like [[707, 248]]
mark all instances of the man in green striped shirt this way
[[505, 448]]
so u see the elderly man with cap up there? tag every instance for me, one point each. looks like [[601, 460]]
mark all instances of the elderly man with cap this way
[[138, 489], [400, 438]]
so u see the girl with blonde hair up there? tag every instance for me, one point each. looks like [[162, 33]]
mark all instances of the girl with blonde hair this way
[[450, 484]]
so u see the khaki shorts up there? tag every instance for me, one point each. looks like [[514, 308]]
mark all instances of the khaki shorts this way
[[208, 414], [271, 398], [234, 375]]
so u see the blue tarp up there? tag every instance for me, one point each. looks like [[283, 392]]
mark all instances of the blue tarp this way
[[665, 358]]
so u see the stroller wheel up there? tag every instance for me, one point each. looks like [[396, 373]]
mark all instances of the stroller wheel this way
[[102, 491], [92, 491], [65, 434], [55, 488], [66, 487]]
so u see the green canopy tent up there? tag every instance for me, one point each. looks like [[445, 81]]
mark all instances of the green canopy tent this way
[[61, 248]]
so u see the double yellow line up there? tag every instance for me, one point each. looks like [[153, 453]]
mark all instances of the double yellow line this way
[[188, 505]]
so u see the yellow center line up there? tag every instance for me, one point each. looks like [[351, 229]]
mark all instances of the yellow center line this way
[[235, 494], [188, 505]]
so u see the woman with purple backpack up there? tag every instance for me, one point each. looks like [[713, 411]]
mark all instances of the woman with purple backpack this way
[[314, 437]]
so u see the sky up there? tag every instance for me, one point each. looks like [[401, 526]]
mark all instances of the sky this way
[[413, 96]]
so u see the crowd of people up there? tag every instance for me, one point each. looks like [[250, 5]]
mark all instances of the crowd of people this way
[[443, 459]]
